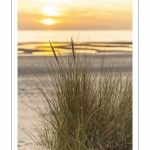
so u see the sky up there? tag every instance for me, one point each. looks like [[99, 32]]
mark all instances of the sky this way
[[74, 14]]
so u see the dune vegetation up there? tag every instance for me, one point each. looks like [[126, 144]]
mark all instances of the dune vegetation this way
[[83, 109]]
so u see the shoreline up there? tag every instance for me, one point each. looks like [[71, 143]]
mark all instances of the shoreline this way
[[40, 48]]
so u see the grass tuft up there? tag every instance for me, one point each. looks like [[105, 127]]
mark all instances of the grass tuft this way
[[84, 110]]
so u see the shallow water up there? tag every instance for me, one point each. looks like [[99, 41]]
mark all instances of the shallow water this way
[[92, 41], [39, 48], [77, 35]]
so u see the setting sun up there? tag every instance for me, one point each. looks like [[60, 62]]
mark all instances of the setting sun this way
[[48, 21], [74, 15]]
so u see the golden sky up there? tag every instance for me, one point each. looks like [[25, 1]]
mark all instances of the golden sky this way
[[74, 14]]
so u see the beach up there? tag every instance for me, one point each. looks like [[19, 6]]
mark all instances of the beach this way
[[30, 66], [34, 48], [84, 98]]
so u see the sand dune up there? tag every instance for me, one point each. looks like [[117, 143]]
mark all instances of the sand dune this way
[[27, 92]]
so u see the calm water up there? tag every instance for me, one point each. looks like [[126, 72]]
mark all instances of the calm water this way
[[82, 36], [36, 42]]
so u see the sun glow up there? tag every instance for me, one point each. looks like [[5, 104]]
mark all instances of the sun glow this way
[[50, 11], [48, 21], [75, 14]]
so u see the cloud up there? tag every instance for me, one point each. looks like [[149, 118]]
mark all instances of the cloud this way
[[75, 14]]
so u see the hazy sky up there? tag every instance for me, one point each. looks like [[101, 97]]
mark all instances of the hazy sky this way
[[75, 14]]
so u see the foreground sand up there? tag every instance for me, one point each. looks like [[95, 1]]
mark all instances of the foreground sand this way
[[27, 92]]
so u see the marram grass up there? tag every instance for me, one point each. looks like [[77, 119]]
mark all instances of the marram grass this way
[[84, 110]]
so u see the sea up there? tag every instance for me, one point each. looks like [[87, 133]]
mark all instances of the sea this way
[[35, 42]]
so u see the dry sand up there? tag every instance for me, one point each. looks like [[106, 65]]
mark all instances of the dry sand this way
[[27, 92]]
